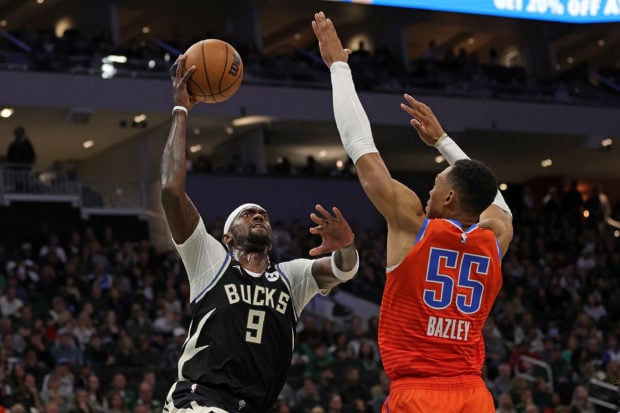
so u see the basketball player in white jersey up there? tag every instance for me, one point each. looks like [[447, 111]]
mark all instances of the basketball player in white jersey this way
[[244, 308]]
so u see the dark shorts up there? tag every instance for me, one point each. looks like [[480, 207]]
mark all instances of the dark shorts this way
[[185, 395]]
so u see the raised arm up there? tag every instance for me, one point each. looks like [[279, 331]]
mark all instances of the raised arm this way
[[400, 206], [180, 212], [497, 217]]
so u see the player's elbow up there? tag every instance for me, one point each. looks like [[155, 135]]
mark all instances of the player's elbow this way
[[171, 192]]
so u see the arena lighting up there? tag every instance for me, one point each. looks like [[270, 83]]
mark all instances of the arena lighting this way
[[88, 144], [139, 118], [251, 120], [607, 142], [195, 148], [545, 163], [108, 71], [6, 113], [113, 58], [565, 11]]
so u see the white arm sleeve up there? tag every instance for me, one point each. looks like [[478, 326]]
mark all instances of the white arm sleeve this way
[[449, 149], [351, 120], [203, 256]]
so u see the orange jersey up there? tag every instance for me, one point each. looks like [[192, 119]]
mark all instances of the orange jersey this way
[[437, 300]]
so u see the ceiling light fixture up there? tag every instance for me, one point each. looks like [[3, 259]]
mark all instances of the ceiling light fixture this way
[[503, 186], [6, 113], [88, 144], [195, 148], [607, 142], [251, 120], [139, 118], [439, 159], [545, 163]]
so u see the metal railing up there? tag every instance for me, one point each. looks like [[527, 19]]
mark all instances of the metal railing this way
[[107, 197], [91, 195], [604, 394], [534, 368], [19, 183]]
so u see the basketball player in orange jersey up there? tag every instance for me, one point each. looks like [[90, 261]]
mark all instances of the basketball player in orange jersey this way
[[443, 260]]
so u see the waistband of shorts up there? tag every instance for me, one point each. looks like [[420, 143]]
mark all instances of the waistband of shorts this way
[[437, 383], [222, 397]]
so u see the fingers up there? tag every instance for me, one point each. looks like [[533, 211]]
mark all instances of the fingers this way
[[315, 218], [326, 218], [315, 251], [338, 214], [188, 74], [179, 65], [323, 211]]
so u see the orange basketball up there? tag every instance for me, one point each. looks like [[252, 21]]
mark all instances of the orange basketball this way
[[219, 70]]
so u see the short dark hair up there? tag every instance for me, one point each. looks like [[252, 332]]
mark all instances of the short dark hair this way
[[475, 184]]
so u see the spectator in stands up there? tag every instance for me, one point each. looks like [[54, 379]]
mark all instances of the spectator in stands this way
[[432, 52], [580, 402], [24, 267], [66, 351], [335, 404], [10, 304], [115, 403], [505, 404], [119, 387], [20, 151], [138, 324], [503, 382], [173, 350], [220, 274], [353, 387], [81, 403], [307, 397], [58, 384], [95, 393], [612, 352], [53, 245], [145, 398], [96, 354], [594, 308]]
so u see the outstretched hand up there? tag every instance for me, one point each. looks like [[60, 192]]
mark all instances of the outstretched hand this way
[[423, 120], [334, 230], [329, 42], [180, 77]]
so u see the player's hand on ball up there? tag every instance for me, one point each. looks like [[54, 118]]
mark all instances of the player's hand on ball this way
[[179, 83]]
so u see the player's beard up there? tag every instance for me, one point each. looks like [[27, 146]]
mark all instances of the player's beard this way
[[257, 243]]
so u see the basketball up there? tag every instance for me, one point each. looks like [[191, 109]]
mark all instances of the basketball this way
[[219, 70]]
